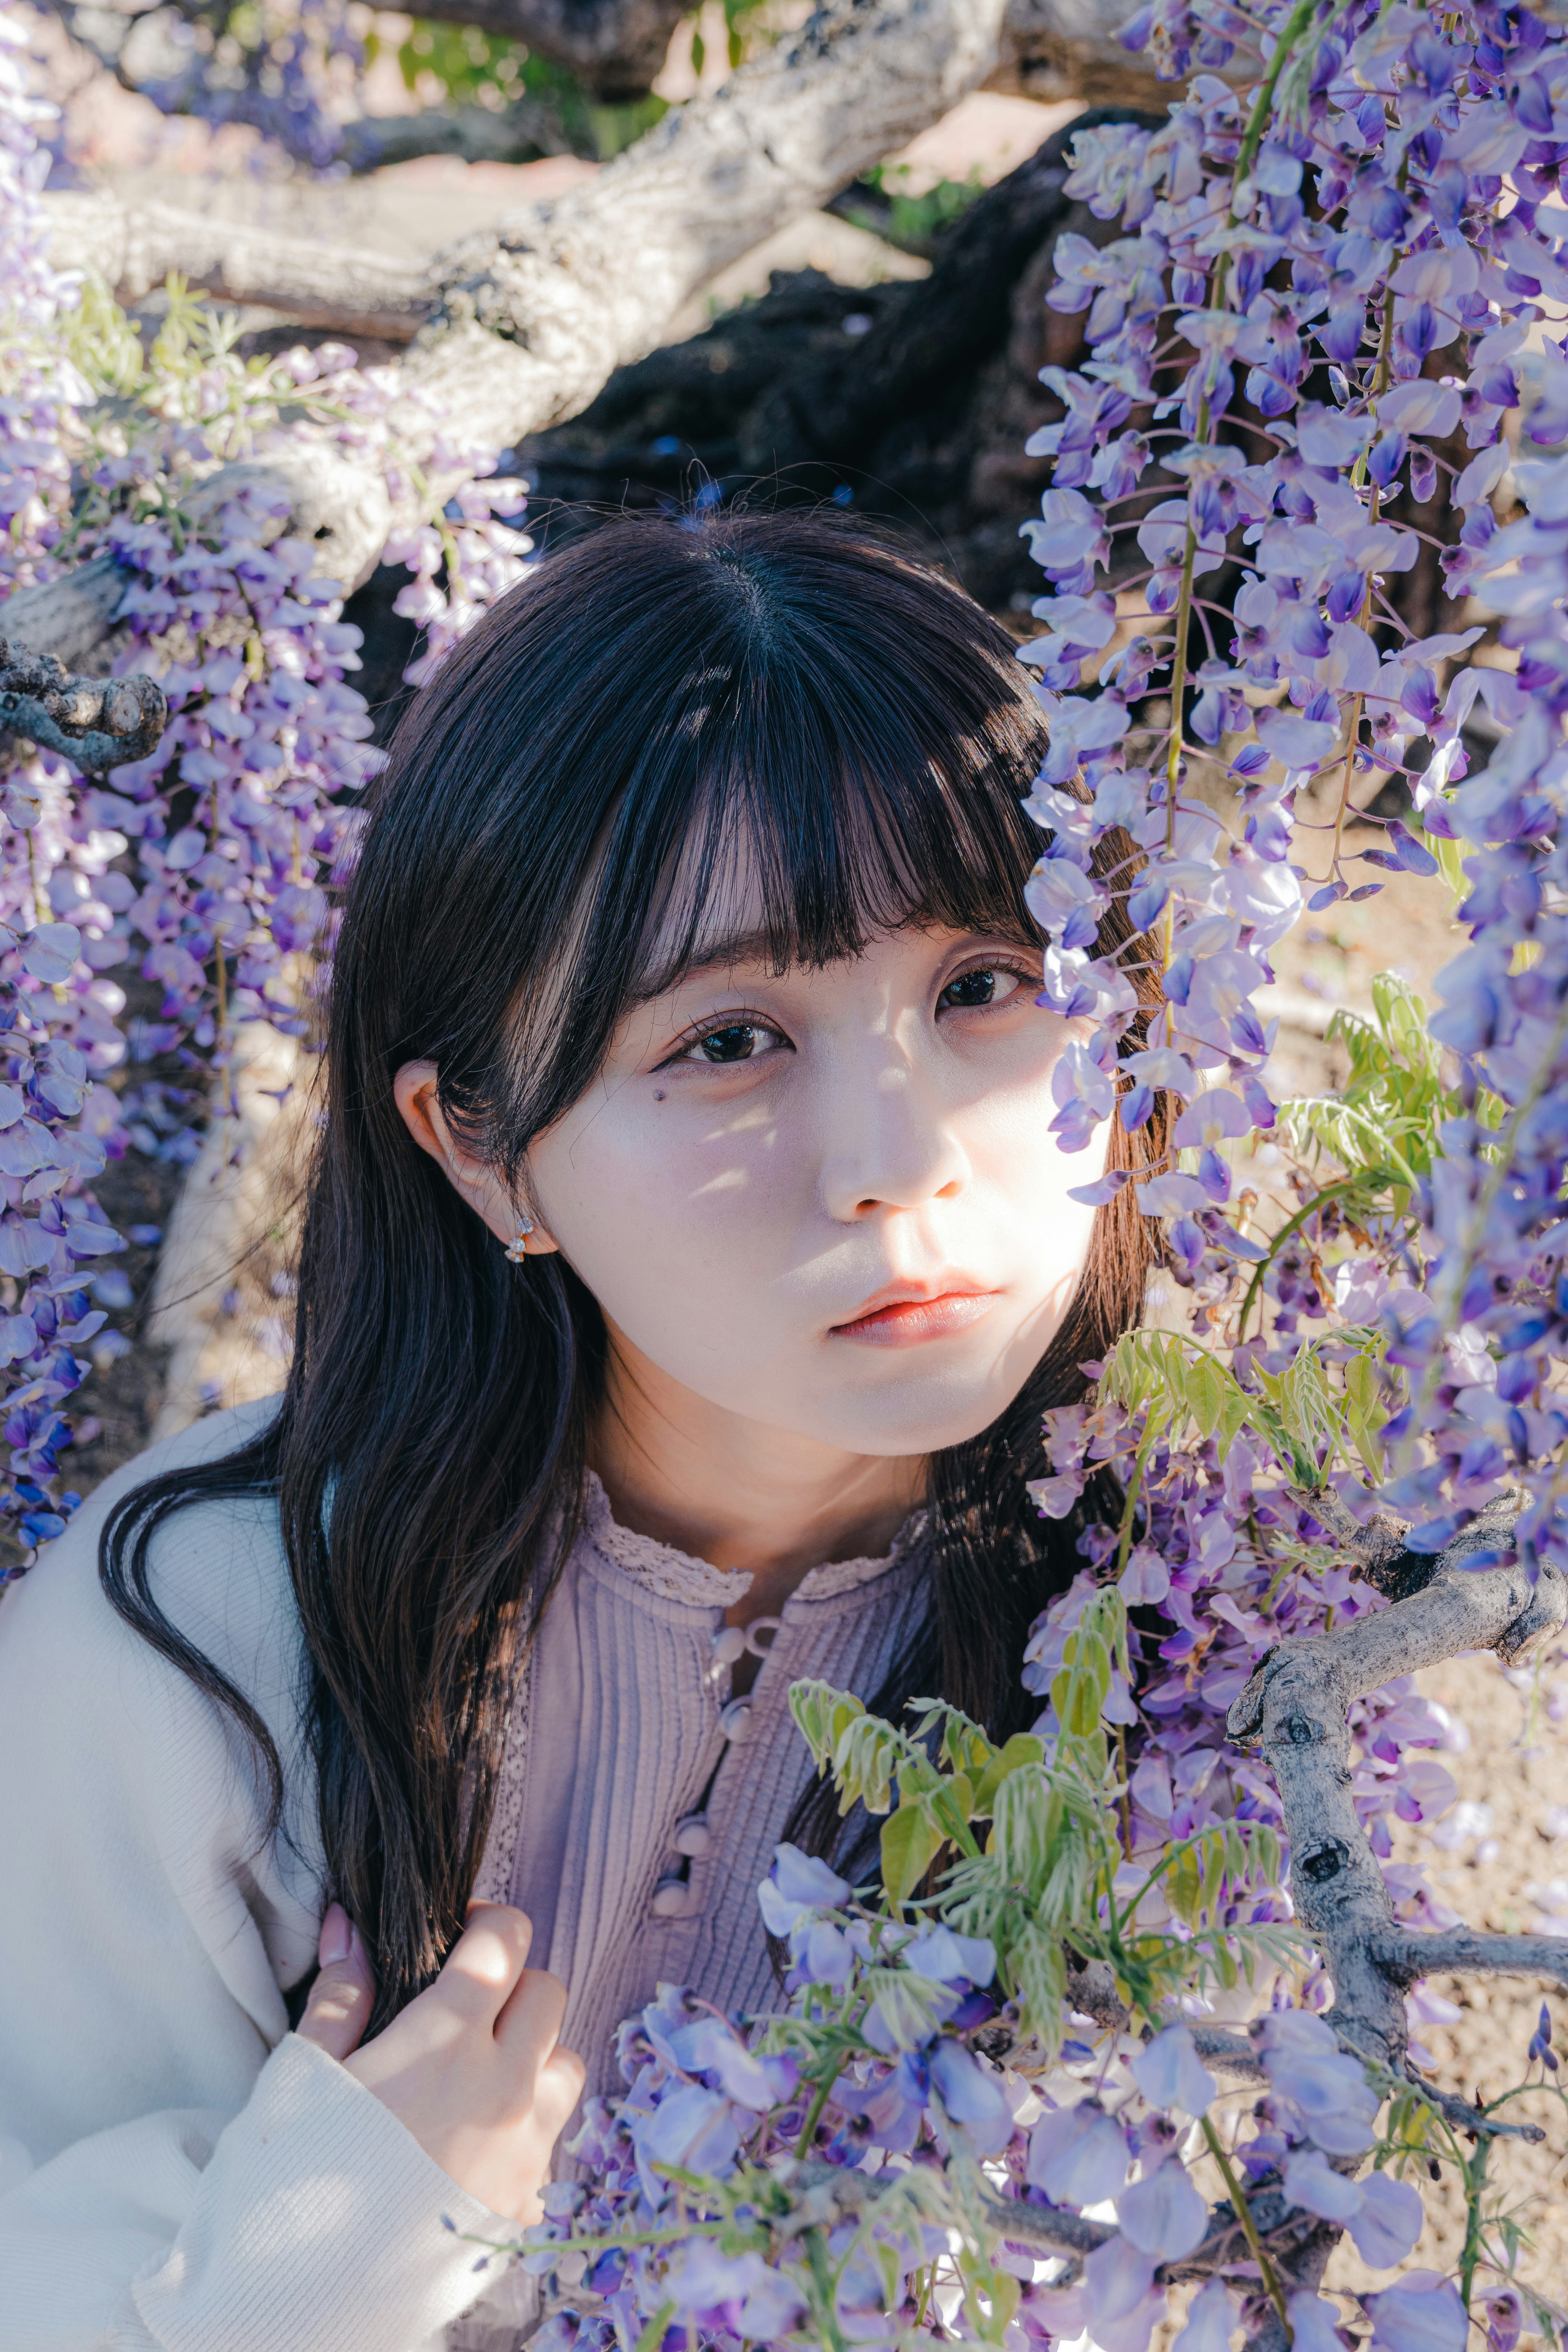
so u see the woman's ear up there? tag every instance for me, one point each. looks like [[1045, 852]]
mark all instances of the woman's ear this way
[[419, 1108]]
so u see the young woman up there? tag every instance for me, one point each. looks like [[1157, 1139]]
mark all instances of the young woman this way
[[689, 1260]]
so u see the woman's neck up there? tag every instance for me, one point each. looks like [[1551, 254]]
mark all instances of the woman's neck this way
[[738, 1493]]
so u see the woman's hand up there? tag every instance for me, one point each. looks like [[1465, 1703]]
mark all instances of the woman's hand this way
[[471, 2067]]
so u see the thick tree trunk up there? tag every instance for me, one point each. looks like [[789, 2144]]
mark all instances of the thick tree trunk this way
[[1054, 49], [615, 48], [135, 248], [530, 318]]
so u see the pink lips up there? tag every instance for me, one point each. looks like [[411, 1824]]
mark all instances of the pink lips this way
[[901, 1317]]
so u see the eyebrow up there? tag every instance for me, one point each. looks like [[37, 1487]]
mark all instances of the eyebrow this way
[[757, 946]]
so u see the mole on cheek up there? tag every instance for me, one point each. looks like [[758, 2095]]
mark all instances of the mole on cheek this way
[[659, 1094]]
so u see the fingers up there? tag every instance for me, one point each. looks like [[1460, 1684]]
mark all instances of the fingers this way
[[558, 2090], [487, 1960], [528, 2025], [341, 1997]]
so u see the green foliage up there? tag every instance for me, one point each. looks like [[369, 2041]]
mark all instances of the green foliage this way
[[101, 343], [912, 221], [1371, 1143], [475, 68], [189, 374], [1049, 1884], [1046, 1887], [1330, 1400], [1382, 1126]]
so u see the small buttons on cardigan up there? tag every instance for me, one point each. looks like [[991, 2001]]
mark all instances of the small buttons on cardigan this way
[[673, 1899], [735, 1720], [692, 1834], [730, 1642]]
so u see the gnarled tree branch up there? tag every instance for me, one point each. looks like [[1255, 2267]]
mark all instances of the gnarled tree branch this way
[[1294, 1709], [1404, 1955], [95, 723], [529, 318], [520, 132], [135, 248]]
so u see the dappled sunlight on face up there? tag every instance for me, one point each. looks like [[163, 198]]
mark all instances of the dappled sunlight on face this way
[[828, 1198]]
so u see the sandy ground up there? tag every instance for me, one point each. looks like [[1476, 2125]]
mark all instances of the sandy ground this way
[[1501, 1862]]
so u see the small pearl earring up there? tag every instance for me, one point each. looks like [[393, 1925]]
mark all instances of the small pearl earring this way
[[517, 1248]]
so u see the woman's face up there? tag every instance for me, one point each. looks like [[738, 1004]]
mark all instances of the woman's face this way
[[829, 1201]]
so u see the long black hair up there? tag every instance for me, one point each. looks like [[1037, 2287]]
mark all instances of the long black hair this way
[[569, 787]]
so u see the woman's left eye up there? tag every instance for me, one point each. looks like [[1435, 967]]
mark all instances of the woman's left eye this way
[[973, 991]]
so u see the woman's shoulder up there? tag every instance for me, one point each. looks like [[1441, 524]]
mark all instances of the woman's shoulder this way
[[216, 1570]]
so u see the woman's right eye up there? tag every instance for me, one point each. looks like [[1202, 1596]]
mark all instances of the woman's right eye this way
[[738, 1041]]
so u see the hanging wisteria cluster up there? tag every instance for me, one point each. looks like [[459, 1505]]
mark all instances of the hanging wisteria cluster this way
[[995, 2112], [283, 68], [200, 868]]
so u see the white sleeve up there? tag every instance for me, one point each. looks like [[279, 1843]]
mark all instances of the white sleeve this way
[[311, 2222], [178, 2172]]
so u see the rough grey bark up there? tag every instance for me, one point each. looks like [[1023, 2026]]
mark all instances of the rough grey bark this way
[[97, 722], [1054, 49], [317, 279], [529, 319], [1294, 1711], [133, 248], [71, 615], [519, 133], [534, 313], [1468, 1951]]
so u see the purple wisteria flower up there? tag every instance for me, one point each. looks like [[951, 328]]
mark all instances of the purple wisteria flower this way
[[1333, 292], [224, 909]]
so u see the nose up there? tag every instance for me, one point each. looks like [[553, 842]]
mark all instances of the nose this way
[[892, 1144]]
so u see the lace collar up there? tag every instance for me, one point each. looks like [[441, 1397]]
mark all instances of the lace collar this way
[[674, 1575]]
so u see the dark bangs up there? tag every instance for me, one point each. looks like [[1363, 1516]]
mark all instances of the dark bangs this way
[[678, 721], [853, 799]]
